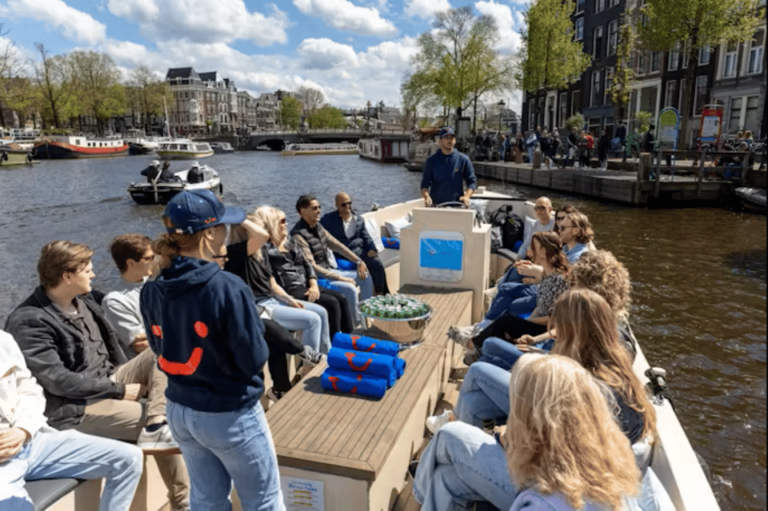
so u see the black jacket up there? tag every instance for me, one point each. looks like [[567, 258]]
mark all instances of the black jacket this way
[[360, 243], [54, 350], [290, 269], [315, 237]]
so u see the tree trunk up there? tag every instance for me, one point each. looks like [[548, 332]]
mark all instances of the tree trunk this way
[[686, 109]]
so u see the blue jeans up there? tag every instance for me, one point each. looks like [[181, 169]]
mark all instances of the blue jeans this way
[[220, 448], [484, 395], [365, 285], [504, 354], [462, 465], [64, 454], [529, 149], [312, 320], [512, 299]]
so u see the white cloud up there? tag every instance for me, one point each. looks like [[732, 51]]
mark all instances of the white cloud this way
[[509, 39], [344, 15], [203, 20], [425, 9], [325, 54], [73, 24]]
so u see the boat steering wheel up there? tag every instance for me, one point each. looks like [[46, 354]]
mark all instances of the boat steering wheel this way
[[452, 204]]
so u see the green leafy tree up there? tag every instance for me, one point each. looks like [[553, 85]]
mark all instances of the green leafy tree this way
[[146, 92], [54, 86], [575, 121], [11, 68], [97, 80], [290, 112], [328, 117], [551, 59], [644, 120], [694, 24], [621, 87]]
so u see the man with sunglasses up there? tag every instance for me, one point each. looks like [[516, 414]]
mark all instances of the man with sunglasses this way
[[350, 230]]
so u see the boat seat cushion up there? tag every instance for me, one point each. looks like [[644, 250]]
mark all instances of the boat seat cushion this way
[[46, 492], [389, 257], [374, 231]]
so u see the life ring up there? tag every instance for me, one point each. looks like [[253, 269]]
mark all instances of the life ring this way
[[29, 158], [4, 156]]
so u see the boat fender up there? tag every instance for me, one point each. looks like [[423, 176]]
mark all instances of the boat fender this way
[[4, 156], [29, 158], [658, 385], [221, 189]]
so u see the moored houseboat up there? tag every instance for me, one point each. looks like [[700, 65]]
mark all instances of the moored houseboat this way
[[74, 146], [184, 149], [385, 148], [310, 149]]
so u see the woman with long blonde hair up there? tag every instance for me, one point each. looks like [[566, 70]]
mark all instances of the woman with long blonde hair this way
[[563, 446], [295, 274]]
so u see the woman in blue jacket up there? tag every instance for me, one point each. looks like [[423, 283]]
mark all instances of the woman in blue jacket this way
[[203, 325]]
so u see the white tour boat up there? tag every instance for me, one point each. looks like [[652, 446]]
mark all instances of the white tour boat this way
[[184, 149], [310, 149]]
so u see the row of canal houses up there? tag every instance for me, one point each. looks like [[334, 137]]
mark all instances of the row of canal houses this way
[[731, 76]]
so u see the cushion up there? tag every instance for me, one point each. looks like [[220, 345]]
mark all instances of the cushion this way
[[374, 232], [528, 226], [392, 243], [395, 226]]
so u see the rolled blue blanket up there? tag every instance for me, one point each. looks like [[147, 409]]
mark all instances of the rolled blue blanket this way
[[343, 264], [399, 367], [372, 364], [391, 242], [351, 383], [366, 344]]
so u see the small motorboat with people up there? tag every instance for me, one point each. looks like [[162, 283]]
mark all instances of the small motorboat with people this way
[[222, 147], [184, 149], [752, 199], [79, 146], [314, 149], [14, 154], [196, 177]]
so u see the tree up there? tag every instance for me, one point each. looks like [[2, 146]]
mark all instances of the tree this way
[[695, 24], [10, 70], [97, 80], [290, 112], [146, 93], [456, 63], [328, 117], [312, 99], [54, 86], [621, 86], [551, 58]]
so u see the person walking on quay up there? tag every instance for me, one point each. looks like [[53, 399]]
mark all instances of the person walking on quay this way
[[603, 144], [621, 135], [203, 324], [445, 172], [571, 150], [530, 145]]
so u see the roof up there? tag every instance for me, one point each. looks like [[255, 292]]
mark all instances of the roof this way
[[211, 76], [181, 72]]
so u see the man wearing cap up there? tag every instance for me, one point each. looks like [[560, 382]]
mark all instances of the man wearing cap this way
[[152, 171], [444, 173]]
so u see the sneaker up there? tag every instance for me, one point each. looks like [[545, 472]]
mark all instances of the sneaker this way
[[470, 357], [461, 335], [311, 356], [159, 441], [275, 395], [435, 422], [491, 292]]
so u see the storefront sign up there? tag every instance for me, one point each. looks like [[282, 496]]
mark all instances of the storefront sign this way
[[711, 122]]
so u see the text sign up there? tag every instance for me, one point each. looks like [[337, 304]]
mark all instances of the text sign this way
[[302, 494], [711, 123], [668, 128]]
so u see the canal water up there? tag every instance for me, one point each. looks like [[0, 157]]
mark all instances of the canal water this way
[[699, 275]]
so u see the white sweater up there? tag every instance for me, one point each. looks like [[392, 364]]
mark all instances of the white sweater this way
[[21, 399]]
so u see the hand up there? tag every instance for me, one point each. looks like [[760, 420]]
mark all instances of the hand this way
[[134, 391], [348, 280], [427, 200], [465, 200], [362, 270], [295, 304], [521, 263], [313, 293], [372, 253], [11, 442], [524, 340]]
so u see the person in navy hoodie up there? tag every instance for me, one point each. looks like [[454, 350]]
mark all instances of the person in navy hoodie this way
[[203, 325], [444, 173], [344, 225]]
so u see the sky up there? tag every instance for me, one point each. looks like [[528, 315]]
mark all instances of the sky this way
[[352, 50]]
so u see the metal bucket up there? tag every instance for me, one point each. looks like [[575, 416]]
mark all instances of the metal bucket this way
[[404, 331]]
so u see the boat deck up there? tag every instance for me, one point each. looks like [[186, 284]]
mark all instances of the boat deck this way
[[360, 447]]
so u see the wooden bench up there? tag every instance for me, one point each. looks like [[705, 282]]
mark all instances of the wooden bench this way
[[359, 448]]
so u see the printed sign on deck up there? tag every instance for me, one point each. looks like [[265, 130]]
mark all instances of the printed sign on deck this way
[[303, 494]]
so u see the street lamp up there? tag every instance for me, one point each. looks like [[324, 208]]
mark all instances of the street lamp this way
[[501, 111]]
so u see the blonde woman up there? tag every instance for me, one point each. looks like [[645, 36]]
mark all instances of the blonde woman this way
[[564, 450]]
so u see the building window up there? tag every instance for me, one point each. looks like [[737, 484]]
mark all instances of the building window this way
[[608, 84], [613, 37], [575, 102], [613, 3], [729, 60], [755, 64], [641, 63], [563, 108], [684, 63], [597, 41], [752, 115], [735, 115], [580, 6], [700, 95], [680, 98], [599, 6], [655, 61], [579, 29], [674, 56], [595, 97], [705, 53], [671, 94]]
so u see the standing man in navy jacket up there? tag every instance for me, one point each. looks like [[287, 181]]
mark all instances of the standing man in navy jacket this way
[[349, 229], [444, 173]]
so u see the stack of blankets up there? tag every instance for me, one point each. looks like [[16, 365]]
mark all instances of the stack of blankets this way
[[362, 365]]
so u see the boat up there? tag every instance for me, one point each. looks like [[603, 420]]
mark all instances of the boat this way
[[139, 143], [752, 199], [14, 154], [385, 148], [311, 149], [25, 138], [161, 193], [418, 154], [222, 147], [78, 146], [184, 149]]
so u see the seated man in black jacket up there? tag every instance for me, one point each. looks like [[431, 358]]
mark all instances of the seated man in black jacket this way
[[76, 356], [350, 230]]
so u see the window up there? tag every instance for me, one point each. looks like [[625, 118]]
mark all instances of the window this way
[[674, 56], [563, 108], [680, 98], [613, 37], [641, 63], [608, 84], [752, 116], [599, 6], [575, 102], [684, 63], [595, 97], [597, 41], [735, 115], [700, 94], [613, 3], [671, 94], [580, 6], [755, 64], [729, 61], [579, 29], [655, 61], [705, 52]]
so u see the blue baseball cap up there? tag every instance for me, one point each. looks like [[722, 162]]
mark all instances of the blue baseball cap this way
[[447, 131], [194, 210]]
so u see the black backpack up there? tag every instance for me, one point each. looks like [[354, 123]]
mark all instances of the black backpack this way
[[510, 225]]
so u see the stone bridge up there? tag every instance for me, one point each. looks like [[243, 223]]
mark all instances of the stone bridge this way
[[277, 139]]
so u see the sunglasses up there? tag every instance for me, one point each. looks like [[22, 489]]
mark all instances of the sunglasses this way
[[315, 208], [539, 208], [346, 204], [560, 218]]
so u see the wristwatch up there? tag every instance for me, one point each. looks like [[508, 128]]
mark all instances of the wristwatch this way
[[359, 262]]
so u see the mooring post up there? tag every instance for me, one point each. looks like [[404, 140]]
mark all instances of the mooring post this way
[[700, 177], [657, 177]]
